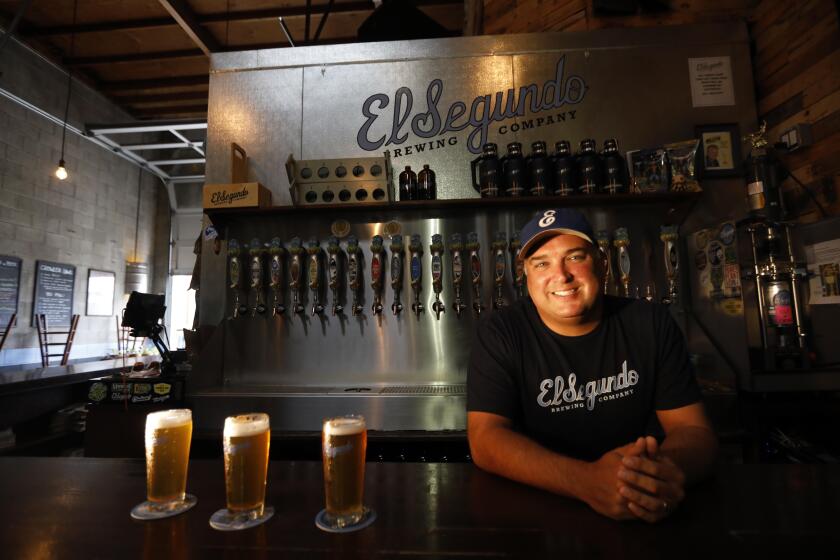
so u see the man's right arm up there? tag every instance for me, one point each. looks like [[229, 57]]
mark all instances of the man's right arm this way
[[497, 448]]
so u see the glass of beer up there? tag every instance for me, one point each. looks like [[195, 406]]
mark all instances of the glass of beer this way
[[168, 436], [343, 445], [246, 442]]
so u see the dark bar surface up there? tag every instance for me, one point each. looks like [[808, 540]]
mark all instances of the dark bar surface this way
[[79, 508]]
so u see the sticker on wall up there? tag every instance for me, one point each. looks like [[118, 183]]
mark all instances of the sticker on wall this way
[[727, 233]]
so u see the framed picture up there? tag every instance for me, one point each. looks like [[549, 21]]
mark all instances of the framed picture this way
[[100, 292], [720, 150]]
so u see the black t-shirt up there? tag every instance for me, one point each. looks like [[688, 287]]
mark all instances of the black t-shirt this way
[[585, 395]]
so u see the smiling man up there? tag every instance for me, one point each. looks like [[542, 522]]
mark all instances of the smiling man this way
[[586, 395]]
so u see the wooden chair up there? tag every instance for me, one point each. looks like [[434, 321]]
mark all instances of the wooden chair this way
[[44, 339], [8, 328]]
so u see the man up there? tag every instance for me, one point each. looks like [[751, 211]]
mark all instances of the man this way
[[566, 388]]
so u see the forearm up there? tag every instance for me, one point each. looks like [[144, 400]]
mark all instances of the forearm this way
[[694, 449], [507, 453]]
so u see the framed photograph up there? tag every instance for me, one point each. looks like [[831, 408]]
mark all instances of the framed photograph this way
[[720, 150], [100, 292]]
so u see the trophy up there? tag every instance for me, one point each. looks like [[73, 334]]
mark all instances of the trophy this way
[[603, 240], [499, 267], [376, 250], [668, 235], [233, 267], [275, 270], [622, 243], [256, 252], [295, 268], [416, 267], [334, 252], [354, 276], [475, 270], [455, 247], [436, 248], [517, 265], [396, 272], [313, 249]]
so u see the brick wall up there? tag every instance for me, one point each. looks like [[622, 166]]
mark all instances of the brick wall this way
[[87, 220]]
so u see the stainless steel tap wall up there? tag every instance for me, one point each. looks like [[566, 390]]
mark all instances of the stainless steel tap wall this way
[[441, 97]]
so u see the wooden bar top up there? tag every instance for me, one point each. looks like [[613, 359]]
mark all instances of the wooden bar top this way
[[79, 508]]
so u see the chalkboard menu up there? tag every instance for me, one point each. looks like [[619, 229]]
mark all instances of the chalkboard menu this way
[[9, 288], [54, 284]]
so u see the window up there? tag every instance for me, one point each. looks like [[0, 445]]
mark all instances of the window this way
[[183, 309]]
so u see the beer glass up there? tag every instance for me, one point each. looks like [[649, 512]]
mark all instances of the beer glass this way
[[168, 435], [246, 442], [344, 442]]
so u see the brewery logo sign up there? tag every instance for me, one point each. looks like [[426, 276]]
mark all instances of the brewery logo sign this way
[[437, 124]]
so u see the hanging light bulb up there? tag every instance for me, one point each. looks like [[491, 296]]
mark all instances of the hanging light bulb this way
[[61, 172]]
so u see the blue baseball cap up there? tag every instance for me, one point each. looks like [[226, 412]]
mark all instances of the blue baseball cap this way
[[556, 221]]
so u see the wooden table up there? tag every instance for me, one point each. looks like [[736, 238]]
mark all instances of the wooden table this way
[[79, 508]]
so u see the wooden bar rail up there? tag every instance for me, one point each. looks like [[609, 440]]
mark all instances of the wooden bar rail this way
[[79, 508]]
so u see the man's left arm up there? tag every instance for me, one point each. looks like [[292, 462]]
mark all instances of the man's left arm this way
[[690, 441]]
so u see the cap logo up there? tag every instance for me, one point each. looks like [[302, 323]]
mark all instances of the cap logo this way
[[548, 218]]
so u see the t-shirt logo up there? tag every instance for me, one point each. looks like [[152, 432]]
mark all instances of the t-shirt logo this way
[[548, 218], [559, 391]]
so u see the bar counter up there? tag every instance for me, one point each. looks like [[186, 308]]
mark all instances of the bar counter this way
[[79, 508]]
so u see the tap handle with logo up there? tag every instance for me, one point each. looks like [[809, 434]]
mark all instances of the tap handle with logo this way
[[456, 245], [602, 238], [276, 253], [295, 272], [235, 273], [436, 248], [396, 272], [622, 243], [415, 248], [313, 249], [473, 246], [517, 265], [353, 272], [500, 246], [334, 262], [376, 250], [256, 251]]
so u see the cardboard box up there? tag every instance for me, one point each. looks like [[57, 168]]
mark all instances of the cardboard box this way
[[236, 195]]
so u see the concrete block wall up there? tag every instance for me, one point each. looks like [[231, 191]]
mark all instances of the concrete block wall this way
[[87, 220]]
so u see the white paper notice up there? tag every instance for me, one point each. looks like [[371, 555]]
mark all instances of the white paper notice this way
[[824, 264], [711, 81]]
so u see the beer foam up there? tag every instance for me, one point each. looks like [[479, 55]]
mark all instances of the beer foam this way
[[344, 426], [246, 424], [168, 418]]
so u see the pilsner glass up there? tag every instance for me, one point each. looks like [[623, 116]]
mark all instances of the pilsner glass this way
[[168, 435], [344, 442], [246, 442]]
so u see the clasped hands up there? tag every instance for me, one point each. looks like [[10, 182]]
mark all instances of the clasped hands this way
[[635, 481]]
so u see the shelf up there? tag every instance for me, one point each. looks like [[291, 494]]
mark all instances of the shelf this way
[[683, 201]]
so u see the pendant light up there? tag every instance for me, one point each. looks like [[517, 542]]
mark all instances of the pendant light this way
[[61, 171]]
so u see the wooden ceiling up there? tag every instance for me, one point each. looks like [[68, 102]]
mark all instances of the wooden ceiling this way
[[149, 56]]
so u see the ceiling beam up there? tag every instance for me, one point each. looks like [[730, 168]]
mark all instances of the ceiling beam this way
[[245, 15], [182, 110], [160, 97], [185, 17], [155, 83], [136, 57]]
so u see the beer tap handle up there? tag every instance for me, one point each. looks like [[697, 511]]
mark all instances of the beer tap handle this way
[[517, 265], [234, 269], [313, 249], [605, 247], [475, 270], [622, 243], [499, 267], [456, 245], [396, 272], [436, 248], [669, 235], [353, 276], [376, 250], [416, 267], [295, 271], [256, 251], [334, 251], [276, 253]]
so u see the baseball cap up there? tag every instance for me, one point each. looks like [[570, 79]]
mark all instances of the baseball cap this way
[[556, 221]]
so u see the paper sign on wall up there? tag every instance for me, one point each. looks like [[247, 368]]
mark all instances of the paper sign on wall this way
[[711, 81]]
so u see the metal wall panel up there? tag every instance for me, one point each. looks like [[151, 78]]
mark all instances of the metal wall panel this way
[[310, 102]]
